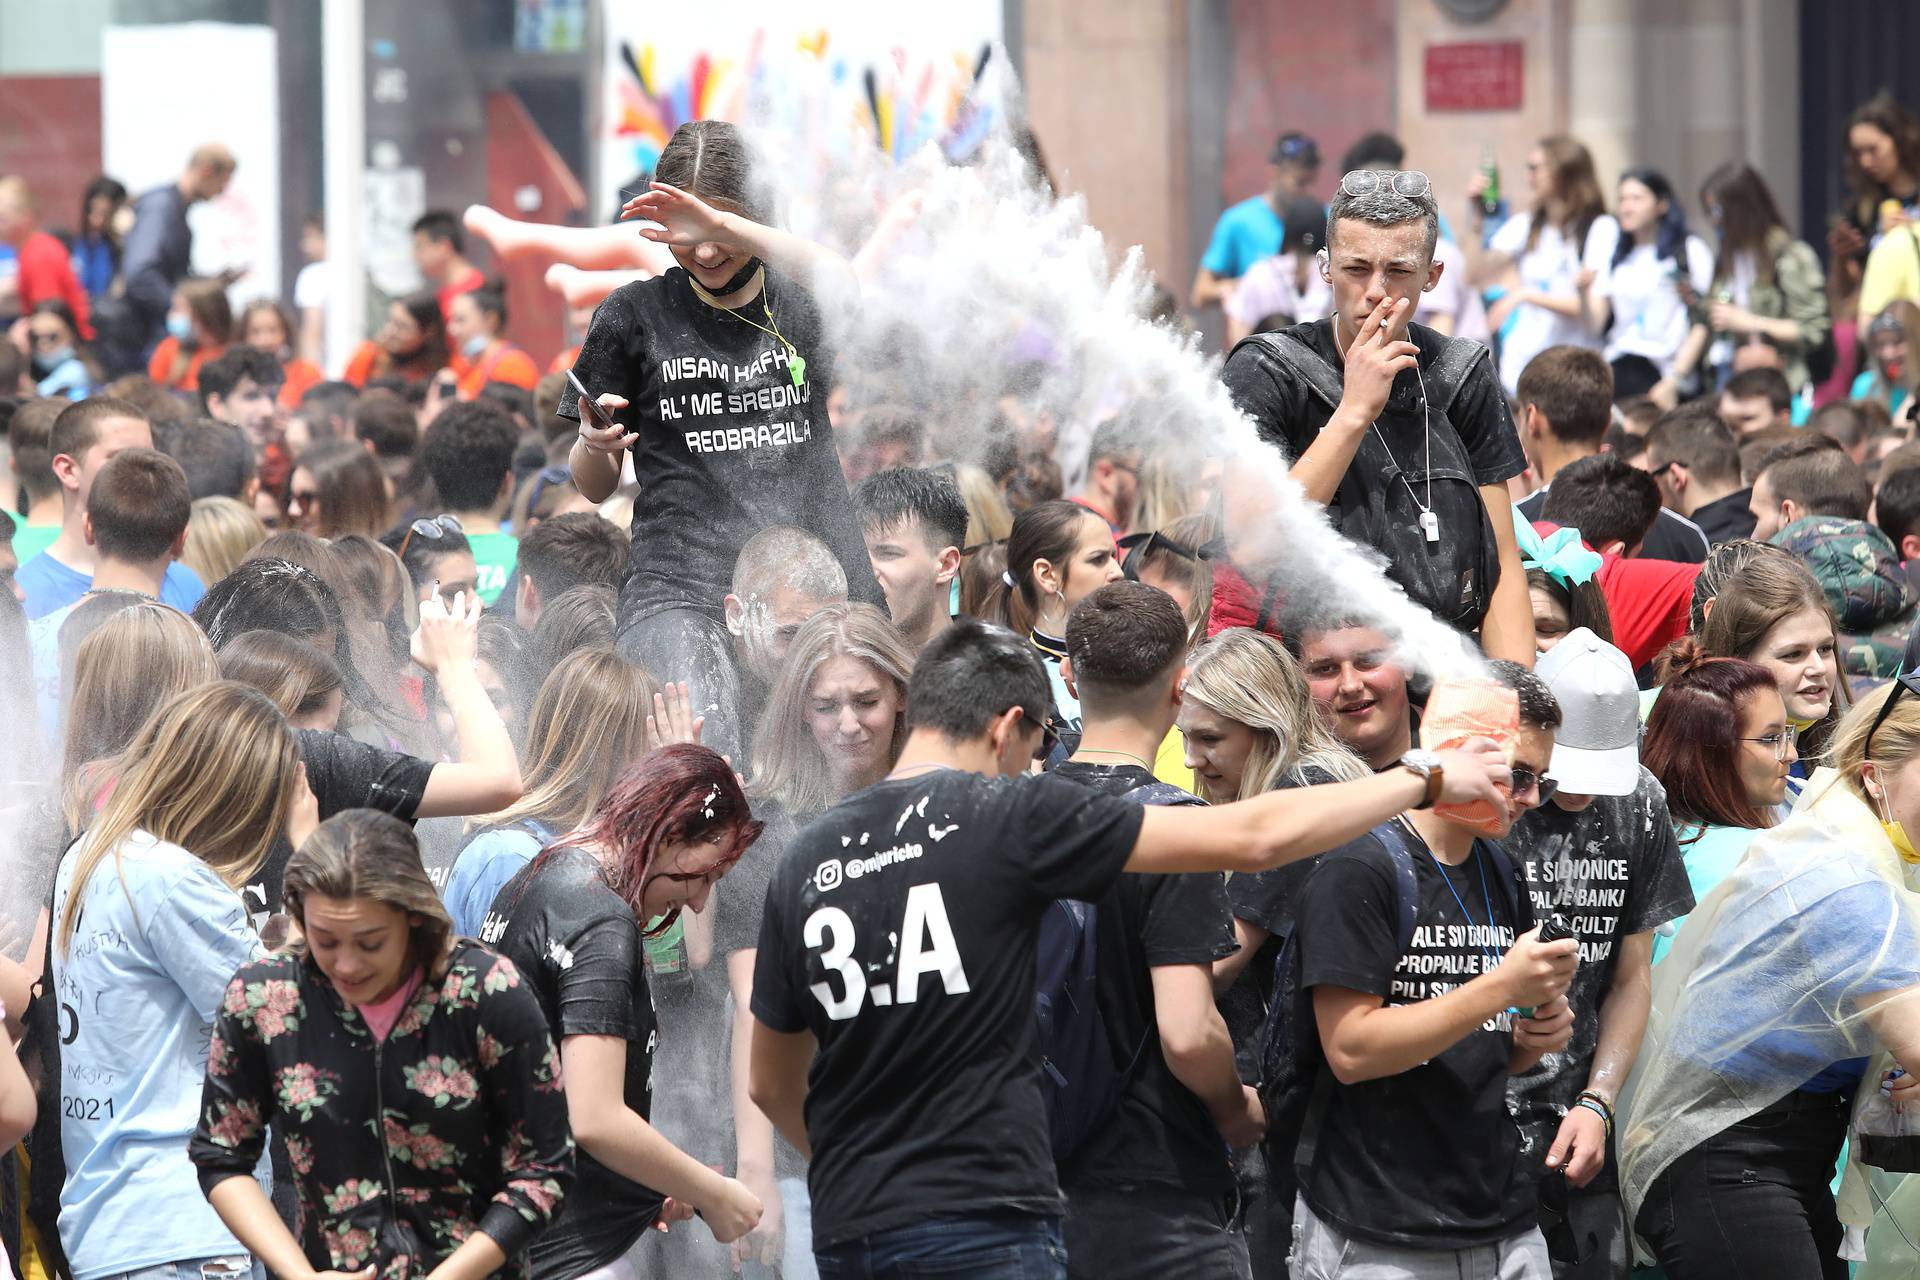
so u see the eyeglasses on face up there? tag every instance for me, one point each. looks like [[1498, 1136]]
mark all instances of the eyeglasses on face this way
[[1781, 743], [1410, 183]]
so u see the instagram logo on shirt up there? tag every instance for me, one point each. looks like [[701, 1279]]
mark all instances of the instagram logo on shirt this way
[[827, 875]]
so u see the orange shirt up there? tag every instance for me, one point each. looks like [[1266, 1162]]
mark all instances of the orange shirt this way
[[564, 361], [366, 359], [160, 367], [301, 376], [502, 362]]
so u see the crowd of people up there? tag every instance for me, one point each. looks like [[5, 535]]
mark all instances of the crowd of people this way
[[476, 821]]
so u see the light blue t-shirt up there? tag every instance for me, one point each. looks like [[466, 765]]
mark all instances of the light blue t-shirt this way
[[1246, 233], [43, 651], [50, 585], [483, 868], [143, 980], [1710, 855]]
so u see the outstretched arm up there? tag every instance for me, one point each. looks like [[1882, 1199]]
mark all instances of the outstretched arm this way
[[687, 220]]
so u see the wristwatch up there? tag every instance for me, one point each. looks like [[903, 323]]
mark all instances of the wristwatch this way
[[1426, 764]]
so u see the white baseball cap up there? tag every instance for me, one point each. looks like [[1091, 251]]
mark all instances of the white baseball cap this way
[[1596, 750]]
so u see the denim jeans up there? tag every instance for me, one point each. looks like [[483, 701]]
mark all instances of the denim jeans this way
[[1146, 1233], [1754, 1200], [796, 1246], [1320, 1252], [995, 1246], [237, 1266]]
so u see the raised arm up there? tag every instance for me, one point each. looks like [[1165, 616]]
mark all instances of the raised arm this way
[[686, 220], [1285, 826], [486, 777]]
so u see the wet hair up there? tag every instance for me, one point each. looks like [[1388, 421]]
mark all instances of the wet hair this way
[[715, 160], [1573, 387], [681, 793], [574, 550], [217, 456], [351, 488], [929, 496], [138, 506], [1693, 733], [293, 673], [1748, 218], [578, 618], [366, 854], [1538, 707], [468, 453], [220, 377], [77, 429], [1570, 165], [1606, 498], [1249, 677], [130, 664], [587, 725], [788, 765], [441, 227], [1697, 438], [1820, 480], [212, 771], [221, 532], [375, 584], [1124, 640], [270, 594], [1045, 531], [971, 673]]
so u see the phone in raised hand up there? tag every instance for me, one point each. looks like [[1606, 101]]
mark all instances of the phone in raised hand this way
[[595, 415]]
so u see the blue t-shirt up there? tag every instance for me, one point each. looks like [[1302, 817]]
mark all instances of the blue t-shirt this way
[[50, 585], [483, 868], [159, 938], [43, 651], [1246, 233]]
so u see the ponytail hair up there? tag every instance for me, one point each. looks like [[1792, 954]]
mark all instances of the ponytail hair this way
[[716, 161], [1044, 531]]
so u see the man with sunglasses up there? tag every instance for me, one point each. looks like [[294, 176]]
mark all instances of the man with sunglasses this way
[[1406, 1031], [1401, 432], [1597, 850], [1693, 457], [1252, 229]]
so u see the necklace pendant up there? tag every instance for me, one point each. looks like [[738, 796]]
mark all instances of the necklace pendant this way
[[1430, 525], [797, 369]]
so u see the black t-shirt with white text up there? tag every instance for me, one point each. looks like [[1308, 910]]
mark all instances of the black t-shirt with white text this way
[[900, 929], [1611, 870], [729, 443], [1429, 1158], [578, 944], [1162, 1135]]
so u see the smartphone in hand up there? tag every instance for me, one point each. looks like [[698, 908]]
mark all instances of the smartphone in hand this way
[[590, 409]]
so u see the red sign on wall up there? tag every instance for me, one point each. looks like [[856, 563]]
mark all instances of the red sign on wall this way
[[1484, 75]]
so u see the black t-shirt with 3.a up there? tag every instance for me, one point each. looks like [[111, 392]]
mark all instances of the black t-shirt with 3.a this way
[[1429, 1158], [1609, 871], [729, 444], [1162, 1135], [579, 946], [900, 929]]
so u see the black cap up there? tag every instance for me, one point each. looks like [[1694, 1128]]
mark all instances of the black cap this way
[[1305, 220], [1296, 148]]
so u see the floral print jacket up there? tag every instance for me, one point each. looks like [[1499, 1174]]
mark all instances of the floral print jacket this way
[[402, 1149]]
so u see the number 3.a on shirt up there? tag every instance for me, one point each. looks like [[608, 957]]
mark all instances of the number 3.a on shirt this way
[[926, 946]]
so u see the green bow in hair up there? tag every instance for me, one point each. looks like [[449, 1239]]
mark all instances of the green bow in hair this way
[[1560, 556]]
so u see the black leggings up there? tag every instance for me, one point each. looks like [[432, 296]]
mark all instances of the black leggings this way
[[1754, 1200]]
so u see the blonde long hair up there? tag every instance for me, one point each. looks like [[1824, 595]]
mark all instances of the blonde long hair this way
[[589, 723], [1895, 742], [1247, 676], [134, 662], [221, 531], [213, 772], [788, 765]]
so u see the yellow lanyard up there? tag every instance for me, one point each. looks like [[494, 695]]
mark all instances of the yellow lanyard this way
[[796, 363]]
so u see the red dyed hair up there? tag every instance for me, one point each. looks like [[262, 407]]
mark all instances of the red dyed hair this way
[[1694, 732], [681, 792]]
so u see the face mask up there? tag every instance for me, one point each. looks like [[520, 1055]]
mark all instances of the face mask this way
[[1897, 833], [179, 326], [475, 345], [741, 279], [47, 361]]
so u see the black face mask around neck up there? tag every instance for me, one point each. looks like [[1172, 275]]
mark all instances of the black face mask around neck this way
[[741, 279]]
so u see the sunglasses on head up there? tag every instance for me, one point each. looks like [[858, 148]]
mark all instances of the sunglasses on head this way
[[1410, 183], [1136, 547], [1906, 682], [435, 528]]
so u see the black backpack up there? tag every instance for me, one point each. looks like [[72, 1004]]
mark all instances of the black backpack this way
[[1375, 504], [1084, 1079], [1294, 1084]]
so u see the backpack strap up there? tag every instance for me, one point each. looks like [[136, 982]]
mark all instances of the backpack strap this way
[[1321, 378]]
